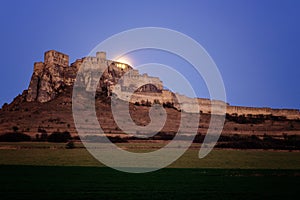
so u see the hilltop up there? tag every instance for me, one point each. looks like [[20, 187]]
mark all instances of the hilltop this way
[[46, 106]]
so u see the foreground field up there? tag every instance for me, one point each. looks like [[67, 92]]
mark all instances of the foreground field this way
[[53, 154], [49, 182], [50, 171]]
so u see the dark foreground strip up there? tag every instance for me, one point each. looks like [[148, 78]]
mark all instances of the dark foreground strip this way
[[52, 182]]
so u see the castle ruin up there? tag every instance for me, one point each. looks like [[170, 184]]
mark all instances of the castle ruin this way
[[50, 77]]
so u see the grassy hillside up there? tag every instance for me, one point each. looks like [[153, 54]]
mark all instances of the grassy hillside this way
[[56, 115]]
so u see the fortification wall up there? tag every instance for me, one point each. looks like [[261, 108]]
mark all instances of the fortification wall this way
[[289, 113], [77, 64], [54, 57], [143, 97], [38, 68], [241, 110], [132, 79], [205, 107], [51, 74], [168, 96]]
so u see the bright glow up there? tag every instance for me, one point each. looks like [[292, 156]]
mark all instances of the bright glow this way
[[120, 65], [125, 60]]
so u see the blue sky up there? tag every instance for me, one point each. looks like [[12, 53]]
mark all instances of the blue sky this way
[[255, 44]]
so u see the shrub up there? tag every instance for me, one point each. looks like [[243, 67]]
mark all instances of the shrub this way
[[156, 101], [95, 138], [59, 137], [117, 139], [148, 103], [76, 138], [168, 105], [40, 130], [242, 119], [70, 145], [14, 137], [15, 128], [44, 136]]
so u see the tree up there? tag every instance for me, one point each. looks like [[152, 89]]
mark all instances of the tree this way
[[44, 136], [59, 137], [14, 137], [148, 103], [37, 137], [156, 101], [15, 129]]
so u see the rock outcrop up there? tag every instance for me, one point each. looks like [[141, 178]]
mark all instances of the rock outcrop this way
[[47, 104], [51, 77]]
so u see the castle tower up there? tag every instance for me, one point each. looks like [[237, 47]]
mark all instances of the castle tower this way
[[101, 55], [54, 57], [38, 68]]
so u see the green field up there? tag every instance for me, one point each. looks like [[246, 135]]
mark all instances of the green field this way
[[50, 171], [48, 182], [55, 154]]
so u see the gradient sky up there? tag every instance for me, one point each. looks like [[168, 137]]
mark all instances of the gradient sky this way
[[255, 44]]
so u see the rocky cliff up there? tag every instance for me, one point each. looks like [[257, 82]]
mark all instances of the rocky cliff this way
[[51, 77]]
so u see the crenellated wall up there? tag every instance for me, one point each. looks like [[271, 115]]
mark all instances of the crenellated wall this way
[[54, 57]]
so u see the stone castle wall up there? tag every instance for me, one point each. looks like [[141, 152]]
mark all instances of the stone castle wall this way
[[51, 76], [54, 57], [141, 97], [241, 110], [132, 78]]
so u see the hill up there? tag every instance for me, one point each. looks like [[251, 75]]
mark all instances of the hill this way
[[46, 106]]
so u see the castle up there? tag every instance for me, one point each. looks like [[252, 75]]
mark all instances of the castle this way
[[50, 77]]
